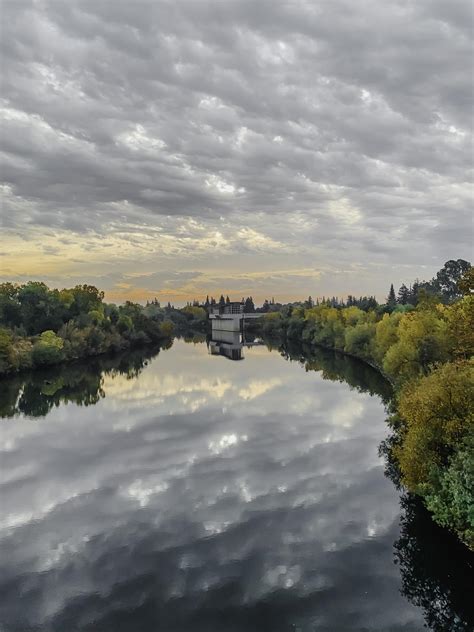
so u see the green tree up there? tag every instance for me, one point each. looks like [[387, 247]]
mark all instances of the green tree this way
[[352, 316], [422, 341], [124, 324], [447, 279], [41, 309], [403, 295], [167, 328], [48, 349], [6, 347], [195, 313], [460, 320], [450, 492], [359, 340], [391, 298], [10, 310], [386, 335], [466, 283], [414, 290], [86, 299]]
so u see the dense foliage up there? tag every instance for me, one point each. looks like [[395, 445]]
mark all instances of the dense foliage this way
[[42, 327], [426, 352]]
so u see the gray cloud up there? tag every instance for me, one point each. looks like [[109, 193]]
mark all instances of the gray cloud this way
[[351, 122]]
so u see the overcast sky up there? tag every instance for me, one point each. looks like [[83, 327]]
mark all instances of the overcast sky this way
[[252, 147]]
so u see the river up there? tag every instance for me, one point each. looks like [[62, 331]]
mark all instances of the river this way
[[189, 492]]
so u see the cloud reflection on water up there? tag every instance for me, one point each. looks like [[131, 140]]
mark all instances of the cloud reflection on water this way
[[203, 495]]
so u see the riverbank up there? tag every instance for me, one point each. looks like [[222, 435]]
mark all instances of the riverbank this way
[[147, 348], [49, 349], [425, 354], [42, 327]]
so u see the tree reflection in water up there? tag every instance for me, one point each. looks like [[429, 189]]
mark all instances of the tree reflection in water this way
[[338, 367], [437, 570], [34, 394]]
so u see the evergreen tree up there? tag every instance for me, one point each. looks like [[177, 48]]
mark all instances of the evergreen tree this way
[[403, 295], [227, 300], [222, 301], [249, 306], [414, 291], [391, 298]]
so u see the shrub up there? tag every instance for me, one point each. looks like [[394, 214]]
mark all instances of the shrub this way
[[48, 349]]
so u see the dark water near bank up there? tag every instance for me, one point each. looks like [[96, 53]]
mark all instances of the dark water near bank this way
[[194, 493]]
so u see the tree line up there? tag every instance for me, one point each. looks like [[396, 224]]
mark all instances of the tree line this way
[[443, 286], [40, 326]]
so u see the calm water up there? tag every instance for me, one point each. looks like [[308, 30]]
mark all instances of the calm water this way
[[195, 493]]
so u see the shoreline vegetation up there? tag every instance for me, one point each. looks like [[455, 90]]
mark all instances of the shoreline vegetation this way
[[421, 341], [426, 353], [41, 327]]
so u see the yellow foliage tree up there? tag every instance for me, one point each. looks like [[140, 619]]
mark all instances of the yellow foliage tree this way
[[438, 411], [422, 341], [386, 334]]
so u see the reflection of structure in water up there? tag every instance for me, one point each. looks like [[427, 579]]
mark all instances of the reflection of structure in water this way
[[228, 337], [230, 344], [226, 343]]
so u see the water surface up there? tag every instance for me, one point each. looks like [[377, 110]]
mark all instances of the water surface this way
[[197, 493]]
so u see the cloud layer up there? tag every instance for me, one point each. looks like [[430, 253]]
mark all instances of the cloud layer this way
[[205, 136]]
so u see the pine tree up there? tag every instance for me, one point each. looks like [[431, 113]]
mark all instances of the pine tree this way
[[391, 298], [249, 306], [415, 288], [403, 295]]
